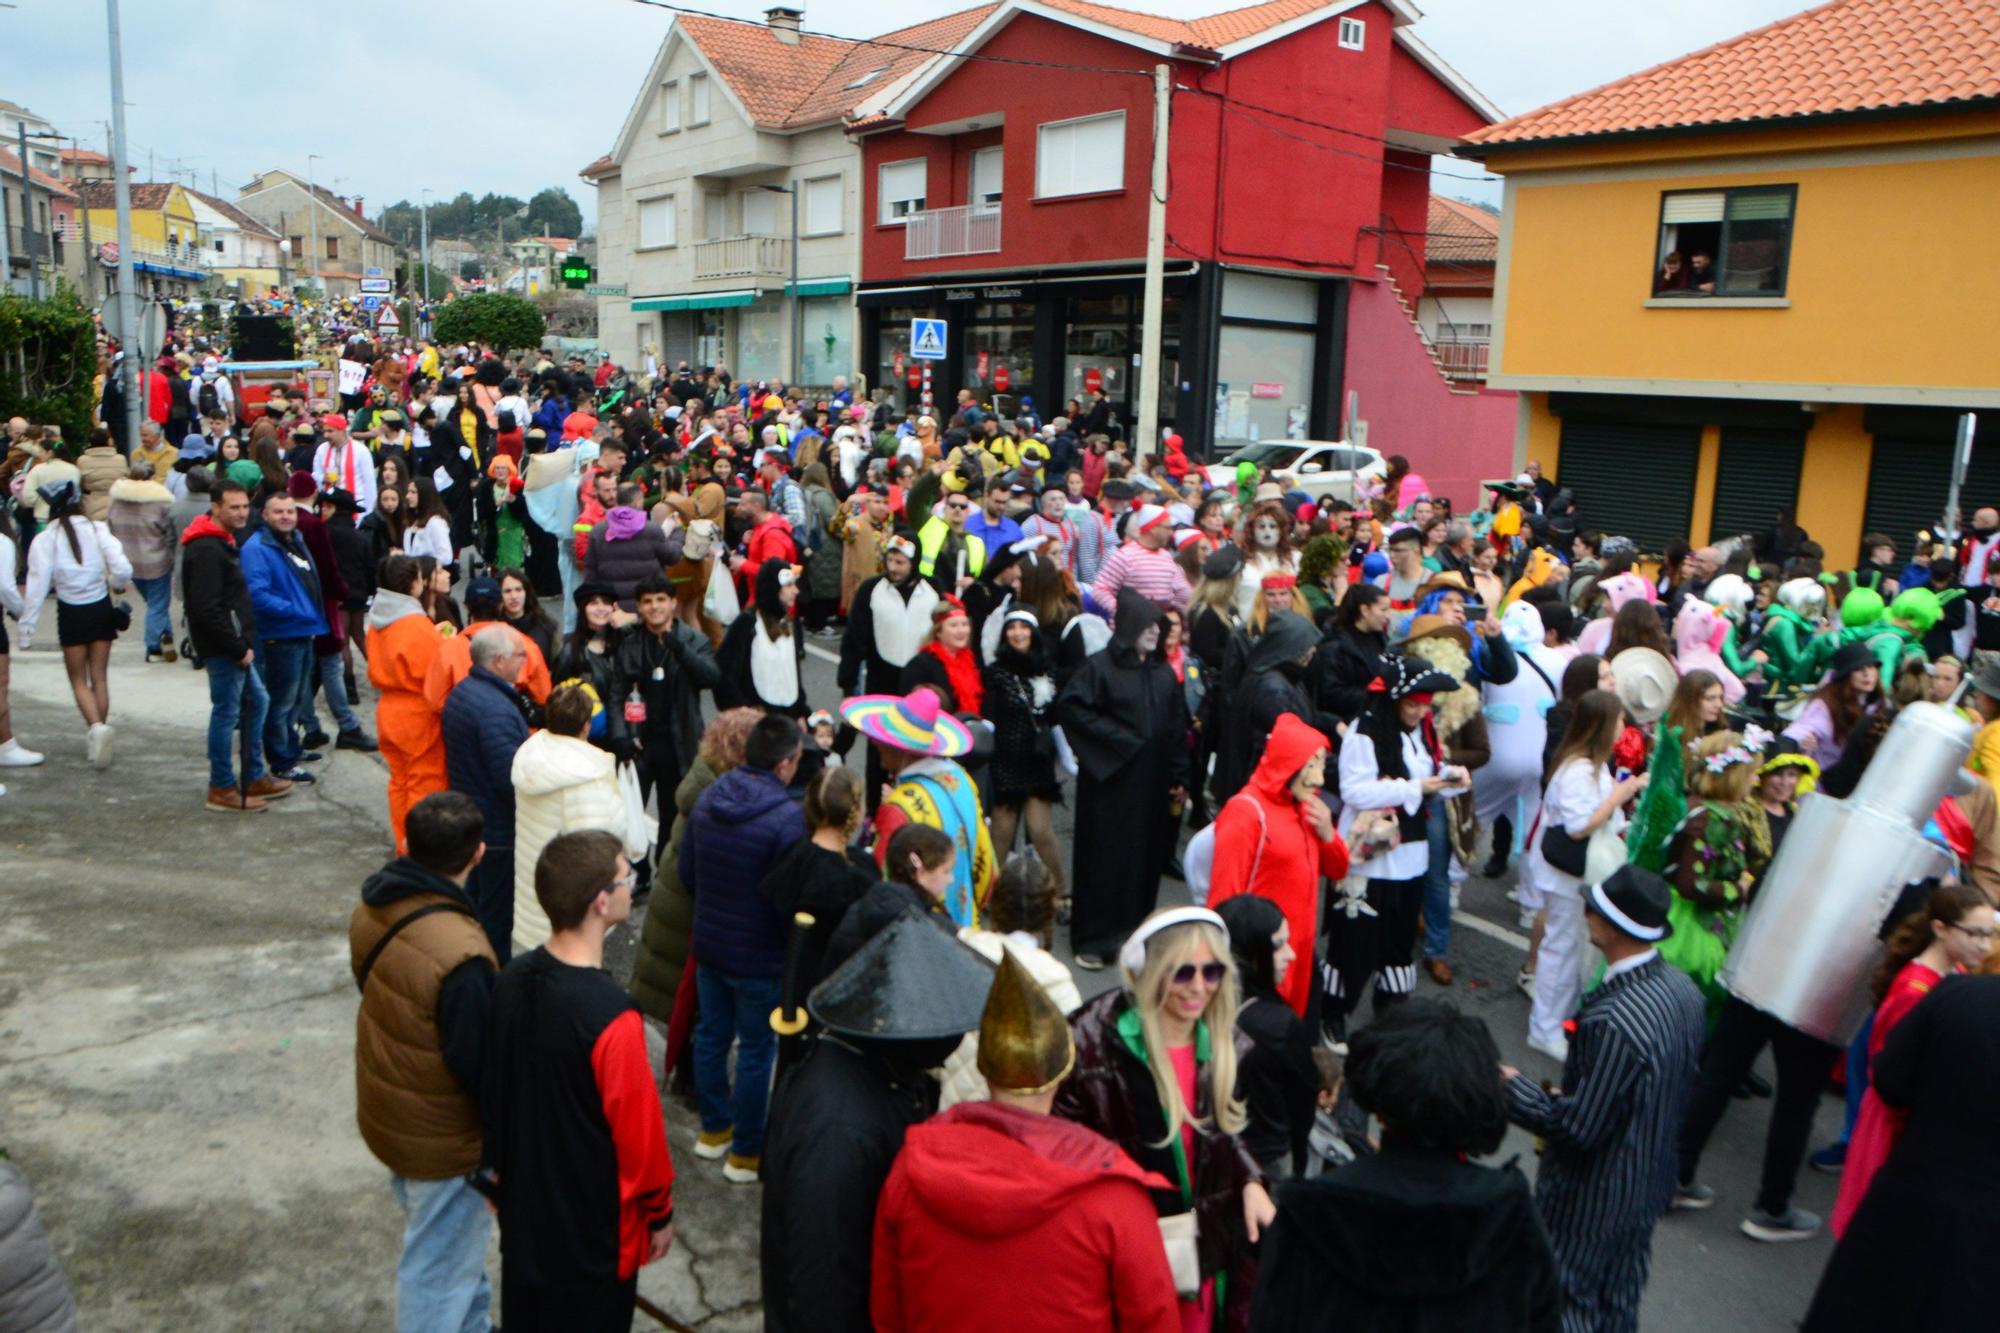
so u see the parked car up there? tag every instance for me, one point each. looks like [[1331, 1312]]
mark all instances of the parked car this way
[[1319, 467]]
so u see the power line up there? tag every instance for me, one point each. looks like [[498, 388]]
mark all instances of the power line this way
[[1247, 114]]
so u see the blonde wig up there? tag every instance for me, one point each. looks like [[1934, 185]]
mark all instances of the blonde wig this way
[[1165, 952]]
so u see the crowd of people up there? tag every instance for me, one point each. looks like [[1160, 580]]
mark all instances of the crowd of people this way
[[581, 602]]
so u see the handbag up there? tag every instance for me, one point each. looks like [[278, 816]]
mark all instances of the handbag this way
[[1179, 1233], [1567, 854], [121, 612], [640, 827], [1591, 859], [1372, 833]]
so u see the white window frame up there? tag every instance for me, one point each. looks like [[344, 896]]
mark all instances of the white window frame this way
[[763, 199], [839, 207], [887, 215], [973, 195], [673, 224], [1353, 34], [697, 99], [670, 107], [1074, 185]]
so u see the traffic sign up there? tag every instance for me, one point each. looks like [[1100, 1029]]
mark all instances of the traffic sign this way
[[107, 254], [371, 272], [377, 285], [388, 319], [927, 339], [370, 301]]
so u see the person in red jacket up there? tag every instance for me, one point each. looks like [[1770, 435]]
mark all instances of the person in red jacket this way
[[998, 1215], [1176, 459], [1275, 838], [769, 538]]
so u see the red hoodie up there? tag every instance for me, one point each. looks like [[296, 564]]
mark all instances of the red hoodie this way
[[999, 1219], [1265, 845]]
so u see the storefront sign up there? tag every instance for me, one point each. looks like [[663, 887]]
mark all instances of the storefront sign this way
[[983, 293], [1265, 389], [1001, 379], [916, 377], [1093, 379]]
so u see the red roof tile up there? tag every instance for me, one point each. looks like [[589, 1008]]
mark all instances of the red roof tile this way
[[1460, 233], [85, 157], [1846, 56], [145, 195], [603, 166], [1213, 31], [11, 164]]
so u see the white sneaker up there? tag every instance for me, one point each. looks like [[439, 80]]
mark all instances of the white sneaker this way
[[13, 754], [99, 746], [1524, 981], [3, 789], [1557, 1050]]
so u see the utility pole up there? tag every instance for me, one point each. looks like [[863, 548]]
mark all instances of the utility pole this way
[[312, 226], [28, 214], [128, 305], [1152, 313], [424, 245], [1961, 459]]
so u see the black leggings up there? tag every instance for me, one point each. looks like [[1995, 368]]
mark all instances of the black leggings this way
[[1804, 1065]]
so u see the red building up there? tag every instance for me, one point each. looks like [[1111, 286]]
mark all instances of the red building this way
[[1008, 195]]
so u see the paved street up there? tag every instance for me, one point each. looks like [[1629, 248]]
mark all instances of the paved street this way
[[176, 1021]]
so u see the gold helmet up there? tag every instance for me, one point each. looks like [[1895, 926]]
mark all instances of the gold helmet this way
[[1024, 1041]]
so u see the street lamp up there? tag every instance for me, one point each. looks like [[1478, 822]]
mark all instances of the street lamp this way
[[792, 294]]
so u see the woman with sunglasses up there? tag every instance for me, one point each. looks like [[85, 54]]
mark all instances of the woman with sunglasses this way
[[1953, 933], [1156, 1074]]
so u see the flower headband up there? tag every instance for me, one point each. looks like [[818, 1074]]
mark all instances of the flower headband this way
[[1755, 739]]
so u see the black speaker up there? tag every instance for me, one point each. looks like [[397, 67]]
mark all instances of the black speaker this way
[[263, 338]]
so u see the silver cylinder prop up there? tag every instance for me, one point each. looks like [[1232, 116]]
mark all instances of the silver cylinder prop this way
[[1811, 936]]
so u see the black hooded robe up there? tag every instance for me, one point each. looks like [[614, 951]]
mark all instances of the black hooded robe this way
[[1271, 687], [1126, 718]]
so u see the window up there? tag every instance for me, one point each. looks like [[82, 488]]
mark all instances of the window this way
[[298, 247], [657, 223], [333, 247], [760, 213], [1353, 34], [218, 245], [986, 173], [1724, 242], [902, 186], [713, 215], [1080, 156], [867, 78], [670, 107], [697, 99], [822, 208]]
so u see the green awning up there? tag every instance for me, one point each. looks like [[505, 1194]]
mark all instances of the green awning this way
[[823, 286], [701, 301]]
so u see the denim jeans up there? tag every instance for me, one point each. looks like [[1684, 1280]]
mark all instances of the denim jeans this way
[[283, 663], [159, 595], [235, 695], [328, 672], [441, 1284], [739, 1009], [1437, 883]]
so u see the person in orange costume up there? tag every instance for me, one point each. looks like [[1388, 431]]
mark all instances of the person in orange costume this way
[[403, 645], [454, 658], [1275, 838]]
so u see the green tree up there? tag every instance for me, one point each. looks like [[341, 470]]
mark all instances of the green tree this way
[[555, 211], [501, 319], [410, 279], [48, 359]]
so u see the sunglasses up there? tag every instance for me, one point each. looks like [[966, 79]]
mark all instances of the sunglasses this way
[[1212, 973]]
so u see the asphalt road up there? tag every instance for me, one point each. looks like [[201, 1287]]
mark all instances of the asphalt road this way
[[176, 1045]]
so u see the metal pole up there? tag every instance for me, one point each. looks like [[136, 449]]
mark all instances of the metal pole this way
[[798, 332], [312, 226], [424, 246], [121, 189], [28, 214], [1153, 309], [6, 254], [1961, 459]]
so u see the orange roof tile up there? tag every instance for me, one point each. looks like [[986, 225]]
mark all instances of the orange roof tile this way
[[1213, 31], [1844, 57], [602, 166], [11, 163], [1460, 233]]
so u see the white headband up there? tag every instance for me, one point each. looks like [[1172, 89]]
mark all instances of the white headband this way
[[1133, 956], [1601, 901]]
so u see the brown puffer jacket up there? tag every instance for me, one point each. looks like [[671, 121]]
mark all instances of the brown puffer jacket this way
[[414, 1114], [102, 468], [1111, 1091]]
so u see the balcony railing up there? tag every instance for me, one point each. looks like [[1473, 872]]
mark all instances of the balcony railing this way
[[742, 257], [22, 247], [938, 232], [1462, 360]]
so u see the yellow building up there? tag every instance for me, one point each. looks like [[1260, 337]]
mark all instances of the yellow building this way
[[168, 256], [1760, 277]]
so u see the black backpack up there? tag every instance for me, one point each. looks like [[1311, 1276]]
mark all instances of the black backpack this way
[[506, 420], [209, 401]]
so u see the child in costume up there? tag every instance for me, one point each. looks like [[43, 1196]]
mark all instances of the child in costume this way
[[1716, 857]]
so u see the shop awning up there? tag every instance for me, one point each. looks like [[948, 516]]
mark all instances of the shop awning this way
[[822, 287], [699, 301]]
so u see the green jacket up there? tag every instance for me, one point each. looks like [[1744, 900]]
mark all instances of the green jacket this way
[[1736, 657], [1797, 653]]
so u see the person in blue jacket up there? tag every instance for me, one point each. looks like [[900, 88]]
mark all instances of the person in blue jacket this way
[[483, 726], [290, 613]]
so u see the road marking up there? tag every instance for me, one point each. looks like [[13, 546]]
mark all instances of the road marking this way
[[1490, 929], [823, 654]]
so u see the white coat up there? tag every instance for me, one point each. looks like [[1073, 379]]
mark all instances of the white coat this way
[[561, 785], [962, 1080]]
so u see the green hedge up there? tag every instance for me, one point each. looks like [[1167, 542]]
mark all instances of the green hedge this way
[[48, 361]]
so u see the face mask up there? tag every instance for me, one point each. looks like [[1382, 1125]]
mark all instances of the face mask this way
[[1266, 532], [1149, 640]]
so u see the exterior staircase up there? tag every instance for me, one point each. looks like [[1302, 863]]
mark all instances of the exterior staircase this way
[[1451, 383]]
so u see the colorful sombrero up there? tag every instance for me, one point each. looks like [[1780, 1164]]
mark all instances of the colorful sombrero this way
[[914, 723]]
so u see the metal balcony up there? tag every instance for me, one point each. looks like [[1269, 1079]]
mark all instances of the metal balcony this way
[[937, 233], [742, 257], [1462, 360]]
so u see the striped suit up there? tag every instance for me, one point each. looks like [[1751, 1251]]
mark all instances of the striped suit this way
[[1607, 1173]]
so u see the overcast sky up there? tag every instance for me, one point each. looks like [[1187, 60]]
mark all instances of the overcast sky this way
[[515, 95]]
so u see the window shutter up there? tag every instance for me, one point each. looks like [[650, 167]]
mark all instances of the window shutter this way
[[760, 213], [1080, 156], [1599, 462], [656, 221], [1758, 474], [1692, 208], [822, 208], [1746, 207]]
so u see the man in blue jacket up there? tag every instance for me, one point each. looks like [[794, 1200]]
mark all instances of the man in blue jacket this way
[[290, 613], [736, 831], [483, 726]]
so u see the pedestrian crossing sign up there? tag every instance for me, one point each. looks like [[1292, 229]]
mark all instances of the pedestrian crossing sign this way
[[927, 339]]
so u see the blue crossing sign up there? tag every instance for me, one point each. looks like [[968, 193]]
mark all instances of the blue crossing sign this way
[[927, 339]]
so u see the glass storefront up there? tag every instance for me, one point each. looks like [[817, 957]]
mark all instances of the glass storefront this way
[[1103, 339], [1000, 352], [892, 352], [828, 345], [760, 339], [711, 340], [1263, 384]]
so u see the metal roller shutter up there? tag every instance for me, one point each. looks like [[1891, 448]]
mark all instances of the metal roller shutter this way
[[1757, 475], [1910, 479], [1634, 480]]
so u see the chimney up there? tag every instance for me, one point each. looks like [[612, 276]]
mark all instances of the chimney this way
[[784, 21], [357, 207]]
